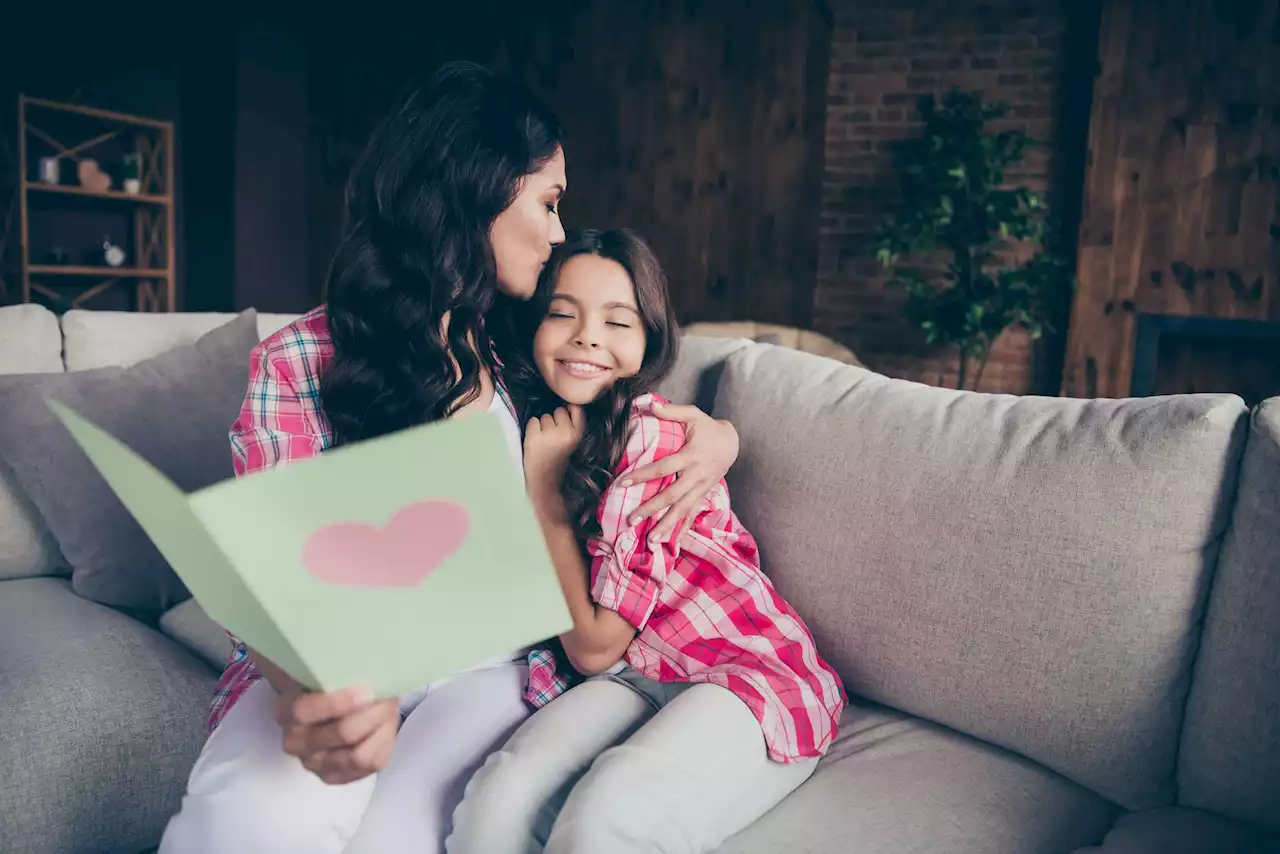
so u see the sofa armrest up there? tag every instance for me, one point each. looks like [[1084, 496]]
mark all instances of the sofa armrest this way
[[101, 718]]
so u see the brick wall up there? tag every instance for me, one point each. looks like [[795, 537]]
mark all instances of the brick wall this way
[[884, 54]]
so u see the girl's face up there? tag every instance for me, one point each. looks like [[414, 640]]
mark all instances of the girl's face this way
[[523, 234], [593, 334]]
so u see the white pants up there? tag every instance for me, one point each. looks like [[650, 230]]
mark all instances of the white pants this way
[[246, 796], [601, 770]]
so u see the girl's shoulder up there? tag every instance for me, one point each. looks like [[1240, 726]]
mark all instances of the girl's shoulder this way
[[649, 435]]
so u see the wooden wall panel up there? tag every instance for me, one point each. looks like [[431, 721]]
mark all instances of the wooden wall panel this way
[[699, 124], [1180, 189]]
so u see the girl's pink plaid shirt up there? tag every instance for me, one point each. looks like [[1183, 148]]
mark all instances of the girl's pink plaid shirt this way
[[704, 612]]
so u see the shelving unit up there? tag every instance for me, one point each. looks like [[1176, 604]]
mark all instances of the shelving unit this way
[[151, 271]]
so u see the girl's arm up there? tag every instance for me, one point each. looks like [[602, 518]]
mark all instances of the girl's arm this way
[[613, 598], [599, 637]]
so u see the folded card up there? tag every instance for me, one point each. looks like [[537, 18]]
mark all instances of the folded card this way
[[391, 563]]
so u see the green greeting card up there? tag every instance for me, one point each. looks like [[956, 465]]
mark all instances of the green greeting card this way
[[390, 563]]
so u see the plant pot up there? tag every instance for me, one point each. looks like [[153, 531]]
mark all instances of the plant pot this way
[[132, 186]]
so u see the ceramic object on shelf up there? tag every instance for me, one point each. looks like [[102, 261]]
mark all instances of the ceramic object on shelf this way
[[51, 170], [92, 177], [132, 186]]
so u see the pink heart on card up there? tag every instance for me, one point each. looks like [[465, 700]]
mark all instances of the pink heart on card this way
[[412, 545]]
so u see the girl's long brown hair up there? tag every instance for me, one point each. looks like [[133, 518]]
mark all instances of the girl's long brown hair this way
[[594, 464]]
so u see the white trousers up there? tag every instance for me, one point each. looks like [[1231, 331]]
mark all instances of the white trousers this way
[[625, 766], [246, 796]]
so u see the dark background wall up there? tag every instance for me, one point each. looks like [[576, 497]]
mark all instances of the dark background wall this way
[[1034, 55]]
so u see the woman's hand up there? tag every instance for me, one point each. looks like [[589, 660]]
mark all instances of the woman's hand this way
[[340, 737], [549, 441], [710, 448]]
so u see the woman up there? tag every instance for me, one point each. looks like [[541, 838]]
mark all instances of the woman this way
[[453, 206]]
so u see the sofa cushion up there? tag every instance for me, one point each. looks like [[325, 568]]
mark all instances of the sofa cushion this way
[[1177, 830], [98, 339], [697, 370], [189, 625], [30, 342], [102, 719], [896, 785], [1230, 760], [27, 547], [173, 409], [1030, 571]]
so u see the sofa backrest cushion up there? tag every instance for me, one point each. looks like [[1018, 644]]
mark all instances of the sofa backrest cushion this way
[[173, 409], [699, 364], [1230, 759], [99, 339], [1029, 571], [30, 342]]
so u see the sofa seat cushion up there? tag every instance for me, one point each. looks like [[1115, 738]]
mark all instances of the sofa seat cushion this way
[[101, 717], [897, 785], [1230, 759], [1029, 571], [189, 625], [1179, 830]]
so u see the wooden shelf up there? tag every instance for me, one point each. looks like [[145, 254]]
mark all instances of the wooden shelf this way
[[147, 198], [107, 115], [109, 272]]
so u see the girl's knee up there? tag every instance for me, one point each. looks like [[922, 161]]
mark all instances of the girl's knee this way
[[504, 806], [605, 812]]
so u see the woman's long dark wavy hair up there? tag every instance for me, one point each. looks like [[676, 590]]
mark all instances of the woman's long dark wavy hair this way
[[594, 463], [420, 203]]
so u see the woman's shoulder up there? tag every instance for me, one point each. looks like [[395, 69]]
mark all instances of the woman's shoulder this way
[[298, 351]]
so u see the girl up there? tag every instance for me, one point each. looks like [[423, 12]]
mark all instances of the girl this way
[[705, 701], [453, 206]]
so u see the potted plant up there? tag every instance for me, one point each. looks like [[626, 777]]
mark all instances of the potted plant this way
[[133, 173], [960, 220]]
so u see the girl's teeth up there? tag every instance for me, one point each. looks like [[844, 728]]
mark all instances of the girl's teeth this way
[[583, 368]]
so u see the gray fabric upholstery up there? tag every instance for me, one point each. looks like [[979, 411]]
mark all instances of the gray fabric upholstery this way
[[1029, 571], [27, 547], [173, 409], [190, 626], [101, 718], [698, 366], [895, 785], [1230, 760], [1177, 830]]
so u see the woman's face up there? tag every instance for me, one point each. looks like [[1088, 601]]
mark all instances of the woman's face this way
[[593, 334], [523, 234]]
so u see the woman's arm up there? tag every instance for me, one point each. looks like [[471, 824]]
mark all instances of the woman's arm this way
[[339, 736], [277, 425]]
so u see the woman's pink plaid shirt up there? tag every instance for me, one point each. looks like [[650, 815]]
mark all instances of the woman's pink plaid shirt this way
[[704, 612]]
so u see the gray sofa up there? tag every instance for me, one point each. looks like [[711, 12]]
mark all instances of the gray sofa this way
[[1059, 619]]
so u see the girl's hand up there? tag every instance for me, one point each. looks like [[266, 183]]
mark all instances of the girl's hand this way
[[710, 448], [548, 443], [340, 737]]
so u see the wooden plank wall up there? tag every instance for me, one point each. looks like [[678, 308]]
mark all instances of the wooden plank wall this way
[[1180, 188], [700, 125]]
